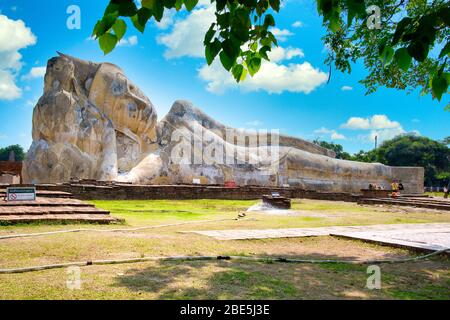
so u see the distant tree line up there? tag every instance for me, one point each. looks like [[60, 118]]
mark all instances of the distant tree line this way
[[18, 153], [406, 150]]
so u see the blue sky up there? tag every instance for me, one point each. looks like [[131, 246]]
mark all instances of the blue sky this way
[[290, 93]]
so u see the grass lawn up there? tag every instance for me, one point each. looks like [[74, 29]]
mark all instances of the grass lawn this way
[[220, 279], [435, 194]]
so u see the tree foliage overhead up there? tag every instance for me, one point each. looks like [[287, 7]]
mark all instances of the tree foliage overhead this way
[[408, 49], [240, 36]]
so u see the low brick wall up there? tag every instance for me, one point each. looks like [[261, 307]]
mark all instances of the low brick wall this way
[[182, 192], [11, 167]]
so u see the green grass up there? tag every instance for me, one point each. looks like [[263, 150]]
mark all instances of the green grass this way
[[219, 279], [435, 194]]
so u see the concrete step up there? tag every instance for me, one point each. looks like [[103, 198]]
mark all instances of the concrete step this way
[[46, 202], [60, 210], [59, 218], [437, 205]]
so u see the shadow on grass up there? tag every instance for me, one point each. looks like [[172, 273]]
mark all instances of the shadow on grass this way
[[257, 280]]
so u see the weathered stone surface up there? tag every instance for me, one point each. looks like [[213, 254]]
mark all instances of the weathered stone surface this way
[[93, 123]]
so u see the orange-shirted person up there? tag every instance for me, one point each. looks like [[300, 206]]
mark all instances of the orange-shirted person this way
[[394, 187]]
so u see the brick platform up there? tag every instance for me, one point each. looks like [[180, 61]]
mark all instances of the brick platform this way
[[118, 191]]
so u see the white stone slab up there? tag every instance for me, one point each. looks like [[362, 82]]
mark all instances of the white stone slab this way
[[430, 236]]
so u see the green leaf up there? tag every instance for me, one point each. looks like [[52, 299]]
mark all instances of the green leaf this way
[[112, 8], [335, 22], [210, 34], [104, 25], [400, 30], [169, 4], [141, 18], [403, 59], [156, 8], [445, 51], [238, 72], [178, 4], [220, 4], [149, 4], [263, 52], [108, 42], [275, 4], [227, 62], [127, 8], [120, 28], [439, 85], [231, 48], [254, 64], [418, 50], [356, 8], [387, 54], [211, 50], [137, 25], [269, 20], [190, 4]]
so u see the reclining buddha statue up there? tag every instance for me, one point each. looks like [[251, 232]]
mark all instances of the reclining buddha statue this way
[[92, 122]]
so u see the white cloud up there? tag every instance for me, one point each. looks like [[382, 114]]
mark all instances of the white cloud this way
[[333, 134], [272, 77], [36, 72], [186, 37], [297, 24], [346, 88], [14, 36], [415, 120], [379, 126], [167, 19], [131, 41], [278, 54], [386, 134], [8, 88], [381, 121], [356, 123], [3, 136], [281, 34], [10, 60]]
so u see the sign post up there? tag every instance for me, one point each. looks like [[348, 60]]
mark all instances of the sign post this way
[[21, 194]]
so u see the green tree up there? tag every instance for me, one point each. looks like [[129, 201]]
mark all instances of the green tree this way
[[406, 150], [337, 148], [397, 51], [365, 156], [411, 150], [18, 151]]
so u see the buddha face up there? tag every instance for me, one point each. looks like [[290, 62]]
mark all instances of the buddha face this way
[[130, 111], [60, 74]]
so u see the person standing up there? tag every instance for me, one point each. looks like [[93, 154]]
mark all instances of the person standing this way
[[394, 187], [447, 191]]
